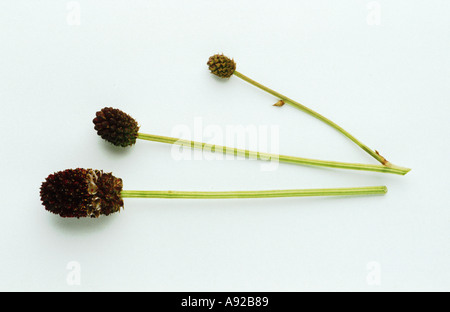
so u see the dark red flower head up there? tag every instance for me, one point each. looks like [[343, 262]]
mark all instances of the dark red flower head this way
[[221, 66], [78, 193], [116, 127]]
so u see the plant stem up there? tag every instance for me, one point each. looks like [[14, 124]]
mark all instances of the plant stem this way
[[273, 157], [295, 104], [373, 190]]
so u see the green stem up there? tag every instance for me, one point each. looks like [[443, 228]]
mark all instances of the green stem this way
[[373, 190], [314, 114], [273, 157]]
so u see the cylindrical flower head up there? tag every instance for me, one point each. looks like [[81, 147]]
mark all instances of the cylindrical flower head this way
[[116, 127], [78, 193], [221, 66]]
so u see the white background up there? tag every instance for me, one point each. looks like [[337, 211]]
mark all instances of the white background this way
[[380, 69]]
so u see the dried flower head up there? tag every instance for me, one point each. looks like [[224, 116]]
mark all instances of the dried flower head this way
[[78, 193], [221, 66], [116, 127]]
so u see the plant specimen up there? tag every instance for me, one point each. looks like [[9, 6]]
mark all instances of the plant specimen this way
[[120, 129], [79, 193], [224, 67]]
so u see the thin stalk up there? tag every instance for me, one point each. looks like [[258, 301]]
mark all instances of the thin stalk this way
[[273, 157], [373, 190], [309, 111]]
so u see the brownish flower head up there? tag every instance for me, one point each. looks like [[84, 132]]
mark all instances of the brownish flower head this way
[[116, 127], [78, 193], [221, 66]]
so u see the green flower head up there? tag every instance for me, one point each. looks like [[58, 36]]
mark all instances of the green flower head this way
[[221, 66]]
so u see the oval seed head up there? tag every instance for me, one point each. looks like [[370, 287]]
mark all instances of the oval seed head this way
[[79, 193], [221, 66], [116, 127]]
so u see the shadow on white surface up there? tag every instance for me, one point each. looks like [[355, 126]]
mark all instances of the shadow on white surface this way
[[114, 151], [82, 225]]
